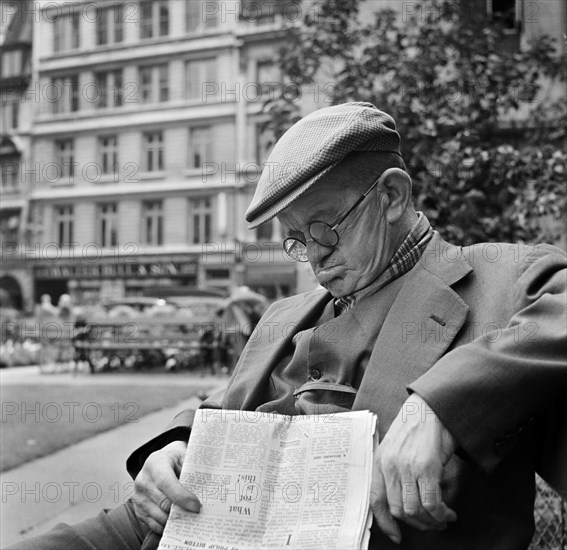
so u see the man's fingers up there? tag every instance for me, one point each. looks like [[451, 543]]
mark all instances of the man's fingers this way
[[169, 485], [406, 496], [409, 498], [156, 513], [146, 491], [153, 525], [405, 505], [431, 499], [156, 487], [165, 505], [414, 453], [423, 526], [388, 525], [379, 504], [150, 514], [440, 512]]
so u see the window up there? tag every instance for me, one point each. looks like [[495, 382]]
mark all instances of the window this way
[[265, 232], [198, 73], [108, 154], [109, 23], [262, 12], [65, 94], [109, 88], [503, 12], [154, 83], [10, 112], [10, 226], [201, 220], [201, 15], [65, 158], [10, 174], [107, 224], [146, 79], [152, 222], [200, 146], [163, 18], [265, 142], [147, 19], [64, 225], [153, 151], [268, 77], [217, 274], [66, 32], [11, 63], [155, 18], [505, 16]]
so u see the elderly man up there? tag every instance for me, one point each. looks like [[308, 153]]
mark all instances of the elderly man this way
[[459, 351]]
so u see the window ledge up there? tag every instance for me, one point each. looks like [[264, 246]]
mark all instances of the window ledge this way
[[63, 53], [157, 175], [62, 116], [62, 183], [108, 178], [149, 40], [212, 98], [193, 172]]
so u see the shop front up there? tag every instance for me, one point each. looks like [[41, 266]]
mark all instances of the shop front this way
[[273, 280], [104, 280]]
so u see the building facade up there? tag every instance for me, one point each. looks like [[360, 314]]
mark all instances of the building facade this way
[[144, 154], [16, 115]]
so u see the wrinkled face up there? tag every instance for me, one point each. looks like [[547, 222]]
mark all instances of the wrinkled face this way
[[365, 244]]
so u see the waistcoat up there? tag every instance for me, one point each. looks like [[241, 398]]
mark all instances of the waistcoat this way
[[323, 367]]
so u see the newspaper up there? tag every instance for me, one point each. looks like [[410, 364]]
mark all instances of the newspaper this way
[[272, 481]]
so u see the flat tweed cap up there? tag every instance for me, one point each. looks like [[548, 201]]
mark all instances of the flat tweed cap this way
[[312, 147]]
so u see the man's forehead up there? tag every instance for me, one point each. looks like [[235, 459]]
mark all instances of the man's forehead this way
[[321, 202]]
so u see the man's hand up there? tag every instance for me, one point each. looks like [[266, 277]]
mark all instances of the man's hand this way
[[157, 486], [408, 466]]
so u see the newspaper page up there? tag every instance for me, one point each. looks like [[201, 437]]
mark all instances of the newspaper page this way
[[272, 481]]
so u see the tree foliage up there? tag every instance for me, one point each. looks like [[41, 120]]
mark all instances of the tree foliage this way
[[481, 133]]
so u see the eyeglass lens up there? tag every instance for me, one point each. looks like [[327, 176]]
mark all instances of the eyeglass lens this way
[[296, 250], [320, 232], [323, 234]]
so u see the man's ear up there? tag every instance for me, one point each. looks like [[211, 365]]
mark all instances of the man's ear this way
[[396, 185]]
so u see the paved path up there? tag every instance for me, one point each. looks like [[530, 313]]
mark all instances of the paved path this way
[[77, 482]]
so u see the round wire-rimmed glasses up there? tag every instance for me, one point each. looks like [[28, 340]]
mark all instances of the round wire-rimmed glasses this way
[[320, 232]]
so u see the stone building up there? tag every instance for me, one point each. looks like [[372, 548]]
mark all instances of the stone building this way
[[146, 151], [16, 282]]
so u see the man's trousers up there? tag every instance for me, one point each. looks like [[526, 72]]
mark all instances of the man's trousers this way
[[116, 529]]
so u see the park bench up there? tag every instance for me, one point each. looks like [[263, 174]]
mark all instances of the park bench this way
[[142, 342], [137, 343]]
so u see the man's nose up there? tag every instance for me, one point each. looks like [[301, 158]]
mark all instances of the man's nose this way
[[317, 252]]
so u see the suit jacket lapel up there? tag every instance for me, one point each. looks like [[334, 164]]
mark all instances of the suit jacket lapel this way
[[421, 324], [247, 387]]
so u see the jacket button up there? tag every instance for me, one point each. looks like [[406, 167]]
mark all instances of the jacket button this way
[[314, 374]]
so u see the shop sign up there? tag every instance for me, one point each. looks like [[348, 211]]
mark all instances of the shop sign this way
[[118, 270]]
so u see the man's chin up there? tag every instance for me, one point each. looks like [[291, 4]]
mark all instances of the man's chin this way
[[336, 287]]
